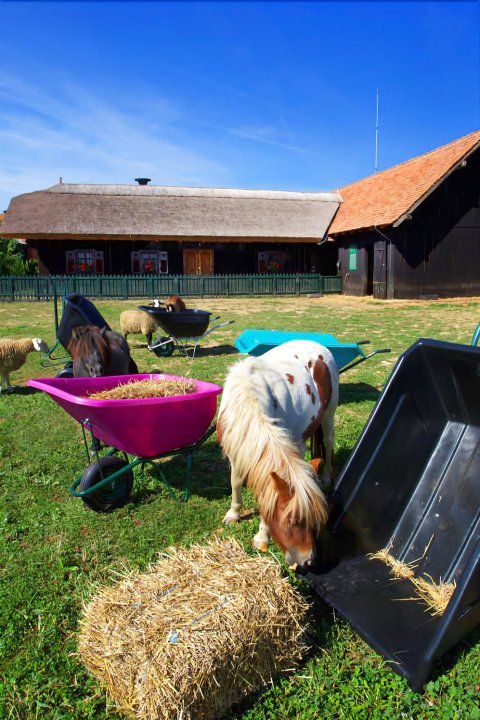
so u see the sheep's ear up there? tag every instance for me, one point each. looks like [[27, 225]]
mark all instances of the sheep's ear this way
[[75, 333], [37, 343], [103, 331]]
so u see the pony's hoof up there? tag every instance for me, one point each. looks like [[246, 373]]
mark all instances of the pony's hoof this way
[[261, 545], [230, 518]]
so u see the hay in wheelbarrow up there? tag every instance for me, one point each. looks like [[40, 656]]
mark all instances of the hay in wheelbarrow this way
[[436, 596], [146, 389], [203, 628]]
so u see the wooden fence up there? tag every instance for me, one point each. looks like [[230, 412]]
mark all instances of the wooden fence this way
[[45, 287]]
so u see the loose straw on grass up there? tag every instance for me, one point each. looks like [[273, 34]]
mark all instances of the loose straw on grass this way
[[199, 631], [436, 596], [146, 389]]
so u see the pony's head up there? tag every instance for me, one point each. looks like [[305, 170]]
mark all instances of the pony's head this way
[[175, 303], [89, 350], [293, 527]]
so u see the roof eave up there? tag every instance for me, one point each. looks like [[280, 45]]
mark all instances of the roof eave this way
[[85, 237]]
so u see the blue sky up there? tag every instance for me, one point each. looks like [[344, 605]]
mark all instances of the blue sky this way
[[276, 95]]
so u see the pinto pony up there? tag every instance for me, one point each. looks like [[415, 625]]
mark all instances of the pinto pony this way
[[97, 352], [270, 406]]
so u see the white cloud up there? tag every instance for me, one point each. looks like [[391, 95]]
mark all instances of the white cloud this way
[[86, 138]]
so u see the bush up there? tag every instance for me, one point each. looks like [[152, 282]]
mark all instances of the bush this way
[[13, 261]]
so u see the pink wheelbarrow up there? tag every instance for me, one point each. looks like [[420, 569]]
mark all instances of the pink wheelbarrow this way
[[147, 429]]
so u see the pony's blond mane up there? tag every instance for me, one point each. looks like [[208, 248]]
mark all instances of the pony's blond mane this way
[[256, 445]]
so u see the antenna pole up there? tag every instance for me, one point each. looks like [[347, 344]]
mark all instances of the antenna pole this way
[[376, 137]]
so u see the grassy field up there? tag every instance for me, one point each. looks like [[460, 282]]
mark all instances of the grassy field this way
[[54, 552]]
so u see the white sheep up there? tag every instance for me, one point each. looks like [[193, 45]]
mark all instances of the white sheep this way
[[138, 321], [13, 354]]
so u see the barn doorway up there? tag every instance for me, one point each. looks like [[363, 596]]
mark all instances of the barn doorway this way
[[380, 271], [198, 262], [369, 251]]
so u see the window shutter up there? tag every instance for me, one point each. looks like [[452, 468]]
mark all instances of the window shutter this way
[[262, 262], [163, 262], [70, 261], [135, 262], [99, 262], [352, 258]]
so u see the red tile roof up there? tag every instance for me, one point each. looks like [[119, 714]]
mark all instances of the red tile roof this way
[[381, 199]]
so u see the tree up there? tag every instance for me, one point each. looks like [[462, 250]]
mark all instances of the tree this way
[[12, 259]]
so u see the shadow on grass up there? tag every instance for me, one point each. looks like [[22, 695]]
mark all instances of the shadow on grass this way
[[20, 390], [357, 392], [213, 350], [210, 477], [341, 456]]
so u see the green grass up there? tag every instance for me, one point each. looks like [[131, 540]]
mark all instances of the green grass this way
[[54, 552]]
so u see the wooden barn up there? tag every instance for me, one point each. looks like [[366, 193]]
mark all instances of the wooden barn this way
[[139, 229], [413, 230]]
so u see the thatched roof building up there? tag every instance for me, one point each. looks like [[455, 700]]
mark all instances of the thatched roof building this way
[[143, 212], [172, 230]]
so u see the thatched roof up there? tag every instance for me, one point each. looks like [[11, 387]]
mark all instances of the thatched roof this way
[[149, 212]]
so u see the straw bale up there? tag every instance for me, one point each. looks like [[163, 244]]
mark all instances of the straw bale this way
[[436, 596], [146, 389], [199, 631]]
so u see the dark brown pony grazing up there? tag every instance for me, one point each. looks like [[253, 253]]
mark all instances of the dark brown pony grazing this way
[[97, 352]]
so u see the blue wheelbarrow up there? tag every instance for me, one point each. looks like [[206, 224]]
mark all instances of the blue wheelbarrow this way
[[347, 355]]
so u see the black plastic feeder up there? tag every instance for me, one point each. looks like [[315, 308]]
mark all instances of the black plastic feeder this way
[[412, 483]]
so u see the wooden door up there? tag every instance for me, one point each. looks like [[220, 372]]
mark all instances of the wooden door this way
[[198, 262]]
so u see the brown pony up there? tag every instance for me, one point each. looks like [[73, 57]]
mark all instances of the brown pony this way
[[175, 304], [97, 352]]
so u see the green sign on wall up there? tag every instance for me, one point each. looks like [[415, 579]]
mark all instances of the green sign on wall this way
[[352, 258]]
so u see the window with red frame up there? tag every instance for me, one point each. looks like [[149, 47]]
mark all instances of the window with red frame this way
[[84, 262]]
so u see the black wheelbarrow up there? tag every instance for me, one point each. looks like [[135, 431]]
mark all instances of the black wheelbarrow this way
[[182, 329], [412, 485]]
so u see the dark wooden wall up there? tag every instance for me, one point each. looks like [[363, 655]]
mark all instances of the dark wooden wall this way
[[229, 257], [437, 252]]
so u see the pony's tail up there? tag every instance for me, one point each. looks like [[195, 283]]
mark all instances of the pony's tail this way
[[257, 445]]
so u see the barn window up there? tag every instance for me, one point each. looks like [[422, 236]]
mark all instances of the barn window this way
[[273, 261], [149, 262], [352, 258], [84, 262]]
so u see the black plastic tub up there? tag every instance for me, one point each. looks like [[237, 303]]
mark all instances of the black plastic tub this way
[[412, 483], [184, 324]]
